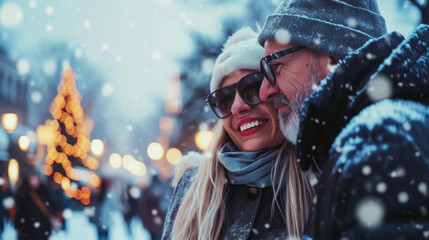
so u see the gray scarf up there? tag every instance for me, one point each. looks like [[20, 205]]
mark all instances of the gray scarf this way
[[250, 168]]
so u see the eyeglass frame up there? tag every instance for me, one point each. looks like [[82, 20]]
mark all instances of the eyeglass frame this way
[[273, 56], [235, 86]]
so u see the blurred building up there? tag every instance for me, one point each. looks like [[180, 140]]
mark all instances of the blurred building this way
[[13, 98]]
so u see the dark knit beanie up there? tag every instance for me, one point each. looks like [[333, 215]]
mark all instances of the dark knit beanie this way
[[333, 27]]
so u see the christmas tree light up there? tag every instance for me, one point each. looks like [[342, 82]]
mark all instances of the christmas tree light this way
[[71, 143]]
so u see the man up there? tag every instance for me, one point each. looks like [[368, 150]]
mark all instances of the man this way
[[365, 129]]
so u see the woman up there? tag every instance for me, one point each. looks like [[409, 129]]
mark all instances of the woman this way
[[247, 185]]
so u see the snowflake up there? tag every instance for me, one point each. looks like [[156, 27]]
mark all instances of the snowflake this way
[[78, 53], [135, 192], [32, 4], [352, 22], [107, 89], [381, 187], [366, 170], [370, 212], [36, 224], [8, 202], [282, 36], [87, 24], [49, 67], [11, 15], [370, 56], [207, 66], [49, 28], [379, 88], [105, 47], [23, 67], [399, 172], [156, 55], [49, 10], [406, 126], [423, 188], [67, 213], [403, 197]]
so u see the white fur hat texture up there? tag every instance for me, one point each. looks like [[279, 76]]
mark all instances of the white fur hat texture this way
[[240, 51]]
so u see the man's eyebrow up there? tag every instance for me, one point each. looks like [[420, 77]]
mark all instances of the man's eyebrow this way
[[283, 59]]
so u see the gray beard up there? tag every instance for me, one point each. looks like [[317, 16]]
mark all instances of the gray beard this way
[[289, 122]]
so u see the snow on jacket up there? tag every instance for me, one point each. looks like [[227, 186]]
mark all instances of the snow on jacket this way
[[248, 214], [367, 128]]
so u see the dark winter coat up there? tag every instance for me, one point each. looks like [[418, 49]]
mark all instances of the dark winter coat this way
[[248, 214], [151, 210], [367, 128], [30, 221]]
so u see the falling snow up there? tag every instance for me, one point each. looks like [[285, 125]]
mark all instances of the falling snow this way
[[49, 10], [352, 22], [379, 88], [366, 170], [370, 213], [8, 202], [207, 66], [11, 15], [381, 187], [49, 28], [406, 126], [49, 67], [156, 55], [23, 67], [398, 172], [107, 89], [78, 53], [403, 197], [282, 36], [135, 192], [423, 188]]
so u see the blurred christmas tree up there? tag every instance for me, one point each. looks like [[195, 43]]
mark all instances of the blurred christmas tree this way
[[67, 161]]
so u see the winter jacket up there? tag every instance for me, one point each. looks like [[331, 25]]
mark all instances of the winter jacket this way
[[31, 221], [248, 214], [367, 128]]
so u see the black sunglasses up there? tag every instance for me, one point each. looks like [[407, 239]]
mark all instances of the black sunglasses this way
[[266, 68], [221, 100]]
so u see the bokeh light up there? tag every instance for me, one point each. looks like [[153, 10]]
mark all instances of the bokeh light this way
[[203, 139], [155, 151], [173, 156]]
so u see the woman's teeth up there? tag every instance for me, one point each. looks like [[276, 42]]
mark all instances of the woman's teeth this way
[[249, 125]]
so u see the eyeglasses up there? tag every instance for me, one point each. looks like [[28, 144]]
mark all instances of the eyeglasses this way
[[222, 99], [266, 67]]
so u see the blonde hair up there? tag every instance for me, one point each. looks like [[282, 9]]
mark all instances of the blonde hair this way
[[202, 211]]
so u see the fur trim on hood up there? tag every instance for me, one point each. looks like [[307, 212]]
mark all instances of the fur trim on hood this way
[[189, 161]]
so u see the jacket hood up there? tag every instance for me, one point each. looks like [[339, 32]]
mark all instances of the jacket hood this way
[[385, 68], [192, 160]]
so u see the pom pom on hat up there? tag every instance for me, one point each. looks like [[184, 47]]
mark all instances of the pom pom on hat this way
[[240, 51]]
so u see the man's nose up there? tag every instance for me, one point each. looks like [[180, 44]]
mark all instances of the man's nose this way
[[267, 90]]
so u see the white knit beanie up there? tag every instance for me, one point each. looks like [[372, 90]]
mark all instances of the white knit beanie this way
[[240, 51]]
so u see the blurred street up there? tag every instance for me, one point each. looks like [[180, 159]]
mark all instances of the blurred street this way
[[80, 228]]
